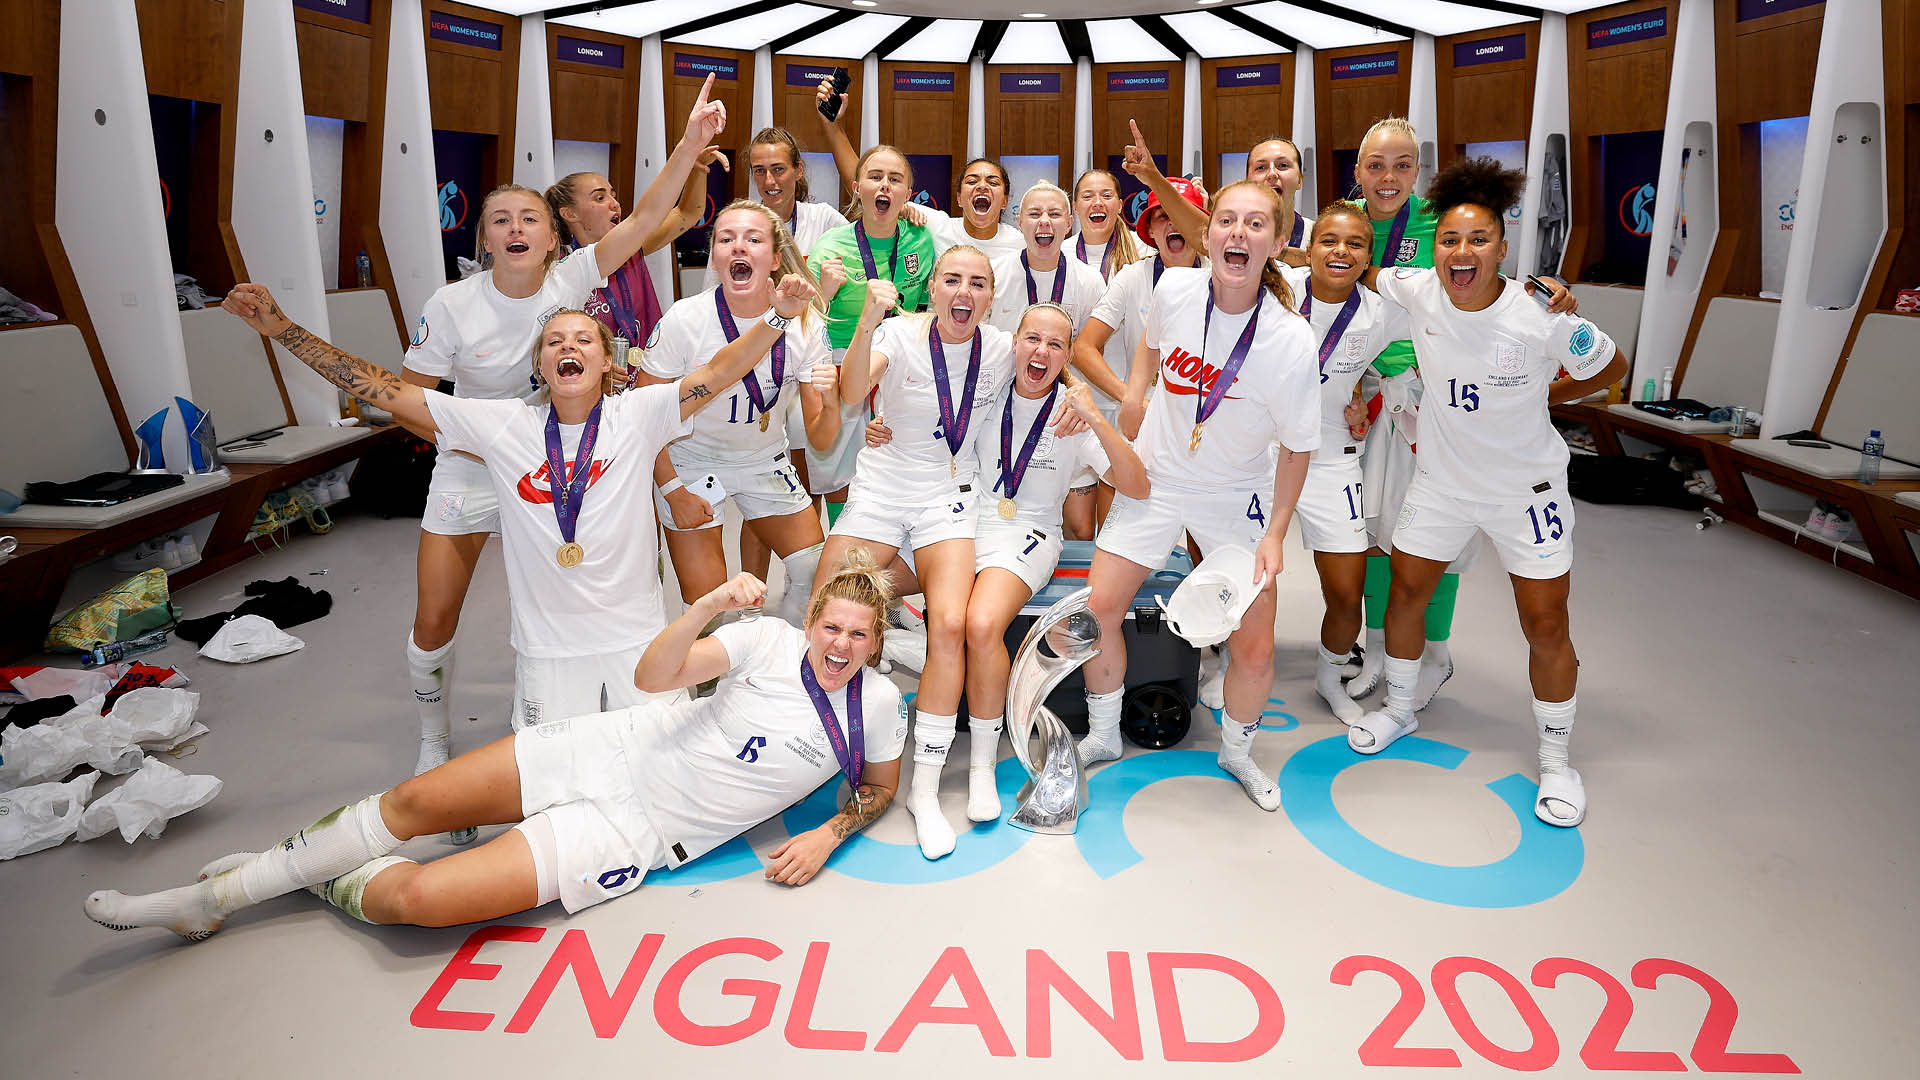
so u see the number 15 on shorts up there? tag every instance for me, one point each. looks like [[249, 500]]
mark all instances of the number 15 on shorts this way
[[1546, 522]]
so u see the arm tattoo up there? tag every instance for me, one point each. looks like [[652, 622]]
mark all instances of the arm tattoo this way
[[865, 808], [370, 383], [696, 392]]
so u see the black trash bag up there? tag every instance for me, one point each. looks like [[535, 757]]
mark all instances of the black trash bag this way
[[1629, 481]]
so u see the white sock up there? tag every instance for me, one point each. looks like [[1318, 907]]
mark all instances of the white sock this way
[[341, 841], [1436, 667], [1368, 679], [430, 673], [1236, 749], [932, 737], [1555, 721], [1326, 681], [348, 891], [1402, 676], [983, 753], [189, 911], [1103, 727], [1213, 680], [799, 567], [923, 802]]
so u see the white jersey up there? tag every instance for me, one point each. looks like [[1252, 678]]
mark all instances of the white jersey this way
[[1123, 307], [811, 221], [1051, 472], [1095, 253], [949, 231], [1082, 291], [755, 746], [728, 431], [1376, 325], [1275, 398], [914, 467], [611, 601], [1484, 427], [483, 339]]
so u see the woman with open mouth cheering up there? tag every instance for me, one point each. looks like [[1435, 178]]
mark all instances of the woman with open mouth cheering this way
[[982, 199], [1101, 238]]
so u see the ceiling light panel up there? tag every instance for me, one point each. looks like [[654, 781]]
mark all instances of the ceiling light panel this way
[[1213, 37], [756, 30], [1031, 43], [1122, 41], [1317, 30], [639, 20], [851, 40], [948, 41], [1437, 17], [511, 7]]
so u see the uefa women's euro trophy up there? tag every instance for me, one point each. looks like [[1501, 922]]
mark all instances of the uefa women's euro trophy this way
[[1056, 794]]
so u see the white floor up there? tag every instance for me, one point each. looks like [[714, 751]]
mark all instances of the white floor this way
[[1744, 882]]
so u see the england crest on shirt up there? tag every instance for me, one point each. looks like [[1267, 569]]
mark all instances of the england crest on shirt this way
[[1408, 250], [1509, 359], [913, 264], [1356, 348]]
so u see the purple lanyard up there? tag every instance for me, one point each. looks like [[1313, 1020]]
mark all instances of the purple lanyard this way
[[1159, 267], [779, 355], [1210, 400], [1012, 469], [569, 489], [1059, 281], [1299, 230], [1347, 311], [1399, 230], [619, 296], [1106, 254], [852, 758], [953, 425], [866, 252]]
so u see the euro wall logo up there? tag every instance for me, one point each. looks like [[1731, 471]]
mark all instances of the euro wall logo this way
[[453, 206], [1636, 210], [1788, 210]]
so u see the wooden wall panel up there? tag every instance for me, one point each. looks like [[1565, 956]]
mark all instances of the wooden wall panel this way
[[1786, 42], [474, 89], [932, 122], [1158, 112], [18, 25], [1234, 118], [599, 104], [796, 110], [1614, 89], [684, 90], [1031, 123], [1346, 108], [334, 63], [1490, 102], [184, 44]]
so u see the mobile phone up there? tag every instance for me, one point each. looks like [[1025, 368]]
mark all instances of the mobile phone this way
[[830, 108], [1542, 294], [1815, 443], [708, 487]]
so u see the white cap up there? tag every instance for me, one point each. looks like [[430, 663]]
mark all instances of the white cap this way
[[1207, 606]]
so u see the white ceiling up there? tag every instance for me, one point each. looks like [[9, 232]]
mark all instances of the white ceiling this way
[[1114, 33]]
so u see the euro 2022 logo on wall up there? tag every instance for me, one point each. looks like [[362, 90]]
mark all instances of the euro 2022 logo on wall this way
[[451, 197], [1137, 205], [1787, 211], [1636, 210]]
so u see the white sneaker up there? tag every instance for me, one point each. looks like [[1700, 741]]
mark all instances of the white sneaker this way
[[1817, 521], [904, 649], [170, 553], [189, 551], [1839, 527], [337, 484]]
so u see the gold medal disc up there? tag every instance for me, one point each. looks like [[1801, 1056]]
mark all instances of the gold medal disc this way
[[1007, 509], [570, 554], [1193, 445], [764, 418]]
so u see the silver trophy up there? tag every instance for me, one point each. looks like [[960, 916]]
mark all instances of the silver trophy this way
[[1056, 792]]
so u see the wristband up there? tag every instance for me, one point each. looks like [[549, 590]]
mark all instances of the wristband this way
[[671, 486], [776, 320]]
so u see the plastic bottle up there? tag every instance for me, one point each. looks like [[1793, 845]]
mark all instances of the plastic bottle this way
[[363, 270], [1666, 385], [1870, 454], [1647, 390]]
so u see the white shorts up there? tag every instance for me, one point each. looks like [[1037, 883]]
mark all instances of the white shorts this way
[[460, 498], [545, 690], [1018, 547], [577, 773], [1533, 538], [1143, 531], [757, 492], [908, 526], [1331, 512]]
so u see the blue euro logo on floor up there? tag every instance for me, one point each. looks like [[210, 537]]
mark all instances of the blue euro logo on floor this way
[[1545, 862]]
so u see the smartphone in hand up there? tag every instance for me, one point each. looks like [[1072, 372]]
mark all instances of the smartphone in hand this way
[[1542, 293], [830, 108]]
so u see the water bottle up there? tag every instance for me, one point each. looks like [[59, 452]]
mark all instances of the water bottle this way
[[363, 270], [1870, 453], [1647, 390], [1666, 385]]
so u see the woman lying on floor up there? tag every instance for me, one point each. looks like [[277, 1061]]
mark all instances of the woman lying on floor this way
[[601, 799]]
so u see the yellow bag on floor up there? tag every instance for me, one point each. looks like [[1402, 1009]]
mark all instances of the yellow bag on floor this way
[[127, 610]]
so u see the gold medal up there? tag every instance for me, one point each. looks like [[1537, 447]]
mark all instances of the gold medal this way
[[953, 467], [1193, 444], [764, 417], [1007, 509], [570, 554]]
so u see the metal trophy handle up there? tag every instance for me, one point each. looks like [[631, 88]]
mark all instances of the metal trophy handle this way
[[1055, 795]]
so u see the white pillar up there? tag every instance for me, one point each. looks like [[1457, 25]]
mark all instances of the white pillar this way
[[1308, 201], [1551, 117], [1841, 218], [1083, 151], [762, 90], [273, 196], [870, 102], [1191, 143], [650, 138], [976, 110], [1667, 305], [107, 208], [409, 202], [1423, 109], [533, 112]]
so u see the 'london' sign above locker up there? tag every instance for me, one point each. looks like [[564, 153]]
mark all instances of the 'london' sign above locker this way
[[1247, 75], [1490, 50], [599, 53], [1367, 66], [463, 31], [1760, 9], [1029, 82], [358, 10]]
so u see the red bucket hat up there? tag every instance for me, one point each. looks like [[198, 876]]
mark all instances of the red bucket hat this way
[[1188, 190]]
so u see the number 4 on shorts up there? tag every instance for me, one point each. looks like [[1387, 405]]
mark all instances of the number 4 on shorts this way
[[1254, 513]]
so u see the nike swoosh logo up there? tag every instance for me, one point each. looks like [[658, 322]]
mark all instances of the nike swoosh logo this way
[[1179, 390]]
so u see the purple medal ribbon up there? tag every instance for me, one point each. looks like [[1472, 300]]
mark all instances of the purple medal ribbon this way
[[567, 489], [1211, 399], [618, 294], [852, 758], [1347, 311], [1012, 469], [1159, 267], [1106, 254], [1299, 230], [779, 355], [953, 425], [1399, 230], [1059, 281], [866, 251]]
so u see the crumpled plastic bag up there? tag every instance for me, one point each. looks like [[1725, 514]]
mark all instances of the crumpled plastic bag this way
[[150, 718], [249, 638], [42, 816], [151, 797]]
